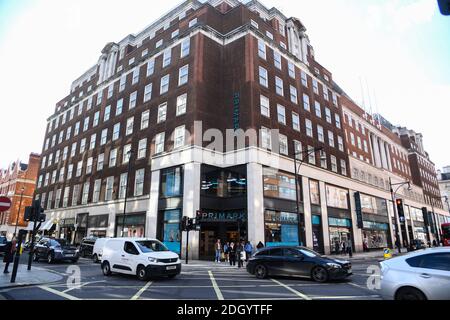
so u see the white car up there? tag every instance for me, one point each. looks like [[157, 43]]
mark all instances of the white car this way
[[97, 252], [142, 257], [421, 275]]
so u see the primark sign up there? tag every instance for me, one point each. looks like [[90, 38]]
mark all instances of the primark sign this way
[[231, 216]]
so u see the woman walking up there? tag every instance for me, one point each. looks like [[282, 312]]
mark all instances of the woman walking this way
[[10, 249], [225, 252], [218, 248], [232, 254]]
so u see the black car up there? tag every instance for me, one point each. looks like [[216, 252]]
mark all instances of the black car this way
[[87, 247], [297, 261], [55, 250], [3, 242]]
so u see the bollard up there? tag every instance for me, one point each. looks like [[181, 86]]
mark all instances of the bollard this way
[[17, 255]]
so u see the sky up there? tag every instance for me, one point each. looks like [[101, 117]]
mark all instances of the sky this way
[[393, 56]]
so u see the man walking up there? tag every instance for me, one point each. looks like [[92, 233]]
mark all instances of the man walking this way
[[10, 249], [248, 250], [218, 248]]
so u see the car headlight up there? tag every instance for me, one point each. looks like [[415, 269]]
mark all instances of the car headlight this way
[[153, 260], [334, 265]]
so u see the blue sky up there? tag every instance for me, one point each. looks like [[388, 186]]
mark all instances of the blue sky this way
[[401, 48]]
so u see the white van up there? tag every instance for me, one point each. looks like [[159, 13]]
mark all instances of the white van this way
[[142, 257], [97, 252]]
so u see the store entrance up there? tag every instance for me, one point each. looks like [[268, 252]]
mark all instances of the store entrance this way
[[225, 231], [338, 239]]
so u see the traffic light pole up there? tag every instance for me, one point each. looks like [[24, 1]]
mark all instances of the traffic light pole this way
[[17, 256], [187, 246]]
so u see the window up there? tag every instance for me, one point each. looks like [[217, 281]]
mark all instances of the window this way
[[90, 160], [291, 68], [107, 113], [122, 83], [179, 137], [306, 102], [167, 57], [279, 86], [110, 91], [281, 111], [311, 155], [130, 124], [318, 109], [104, 137], [93, 141], [96, 119], [263, 77], [65, 152], [77, 129], [295, 121], [298, 148], [183, 75], [123, 185], [278, 184], [109, 188], [181, 104], [68, 133], [277, 59], [366, 148], [315, 86], [162, 112], [262, 49], [185, 47], [359, 143], [79, 169], [294, 97], [60, 137], [159, 43], [335, 101], [283, 144], [113, 158], [338, 121], [96, 192], [133, 98], [116, 132], [352, 138], [175, 33], [343, 167], [337, 197], [164, 84], [253, 23], [328, 115], [139, 183], [304, 79], [142, 148], [145, 116], [171, 182], [83, 145], [159, 143], [325, 94], [100, 161], [86, 124], [193, 22], [270, 35], [54, 176], [323, 159], [148, 92], [320, 134], [333, 164], [126, 153], [85, 195], [150, 67], [265, 106], [57, 198], [309, 129], [266, 138], [119, 107], [340, 143], [331, 138]]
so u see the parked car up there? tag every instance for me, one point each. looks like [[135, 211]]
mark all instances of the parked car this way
[[3, 242], [55, 250], [87, 247], [97, 251], [420, 275], [297, 261], [142, 257]]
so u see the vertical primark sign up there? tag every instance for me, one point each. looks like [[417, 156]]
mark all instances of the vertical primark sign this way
[[236, 110], [358, 207]]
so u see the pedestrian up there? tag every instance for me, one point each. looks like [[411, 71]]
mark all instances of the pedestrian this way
[[225, 252], [260, 245], [435, 243], [10, 249], [218, 248], [248, 250], [232, 254], [240, 254], [344, 248], [337, 247], [349, 248], [397, 244]]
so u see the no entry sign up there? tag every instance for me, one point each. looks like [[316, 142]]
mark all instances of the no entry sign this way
[[5, 204]]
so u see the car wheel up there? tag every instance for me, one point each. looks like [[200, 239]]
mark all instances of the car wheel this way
[[410, 294], [261, 271], [106, 268], [95, 257], [50, 258], [142, 273], [319, 274], [35, 257]]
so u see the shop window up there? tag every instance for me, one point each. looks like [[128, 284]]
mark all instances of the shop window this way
[[171, 235], [281, 228], [171, 182], [223, 183], [279, 184], [337, 197], [314, 192]]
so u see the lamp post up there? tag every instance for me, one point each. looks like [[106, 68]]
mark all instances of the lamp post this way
[[301, 222], [18, 212], [129, 154], [397, 234]]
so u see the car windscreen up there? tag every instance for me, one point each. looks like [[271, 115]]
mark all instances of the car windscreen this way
[[309, 253], [151, 246], [3, 240], [58, 242]]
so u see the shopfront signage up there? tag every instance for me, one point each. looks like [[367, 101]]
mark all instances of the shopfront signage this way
[[359, 216], [236, 110], [221, 216]]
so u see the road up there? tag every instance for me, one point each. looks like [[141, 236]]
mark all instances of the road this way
[[203, 280]]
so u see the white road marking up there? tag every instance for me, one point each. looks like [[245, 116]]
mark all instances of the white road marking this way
[[345, 297], [141, 291], [216, 287], [81, 285], [298, 293], [59, 293]]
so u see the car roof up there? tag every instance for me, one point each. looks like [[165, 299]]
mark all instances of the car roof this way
[[132, 239]]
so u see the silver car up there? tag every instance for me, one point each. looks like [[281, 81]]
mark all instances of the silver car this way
[[421, 275]]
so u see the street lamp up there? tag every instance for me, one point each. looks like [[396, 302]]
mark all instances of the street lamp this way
[[18, 212], [130, 155], [397, 235], [301, 222]]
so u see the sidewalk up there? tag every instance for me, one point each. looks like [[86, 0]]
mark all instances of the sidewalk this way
[[36, 276], [379, 254]]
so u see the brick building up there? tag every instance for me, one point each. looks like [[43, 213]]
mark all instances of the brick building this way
[[18, 183], [148, 123]]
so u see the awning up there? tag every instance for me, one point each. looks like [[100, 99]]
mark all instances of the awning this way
[[47, 225]]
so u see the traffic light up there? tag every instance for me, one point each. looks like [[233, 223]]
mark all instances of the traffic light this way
[[35, 212], [401, 212], [184, 224]]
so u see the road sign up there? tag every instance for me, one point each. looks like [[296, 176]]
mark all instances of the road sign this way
[[5, 204], [387, 253]]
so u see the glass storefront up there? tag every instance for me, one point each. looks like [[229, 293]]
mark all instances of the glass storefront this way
[[340, 233], [223, 183], [280, 185], [171, 230], [375, 235], [337, 197], [134, 225], [98, 225], [171, 182], [281, 228]]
